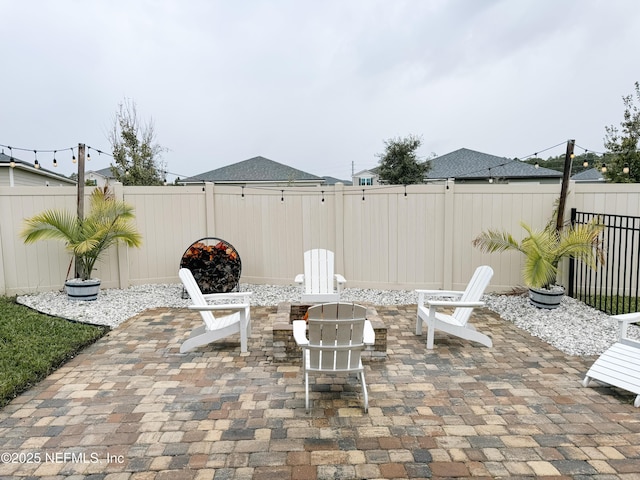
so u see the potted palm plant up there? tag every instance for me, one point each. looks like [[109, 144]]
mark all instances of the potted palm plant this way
[[108, 223], [544, 249]]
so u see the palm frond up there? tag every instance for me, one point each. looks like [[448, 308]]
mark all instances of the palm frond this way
[[493, 241]]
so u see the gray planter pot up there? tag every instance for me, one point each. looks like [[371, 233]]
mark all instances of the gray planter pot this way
[[543, 298], [82, 289]]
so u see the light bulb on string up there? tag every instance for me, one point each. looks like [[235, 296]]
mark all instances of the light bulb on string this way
[[282, 195], [73, 156], [12, 161], [36, 164], [603, 169], [625, 169], [55, 162], [536, 165], [322, 196]]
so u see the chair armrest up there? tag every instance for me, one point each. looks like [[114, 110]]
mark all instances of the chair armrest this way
[[624, 320], [299, 278], [369, 334], [230, 295], [300, 332], [436, 293], [228, 306], [453, 303], [440, 293], [339, 278]]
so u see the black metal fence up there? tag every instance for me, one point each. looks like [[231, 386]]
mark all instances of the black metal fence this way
[[614, 286]]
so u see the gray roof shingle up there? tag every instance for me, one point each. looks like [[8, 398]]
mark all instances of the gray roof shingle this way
[[591, 175], [465, 163], [256, 169]]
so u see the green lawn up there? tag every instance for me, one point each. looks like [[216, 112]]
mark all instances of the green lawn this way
[[613, 305], [33, 345]]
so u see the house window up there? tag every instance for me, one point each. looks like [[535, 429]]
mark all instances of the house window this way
[[365, 181]]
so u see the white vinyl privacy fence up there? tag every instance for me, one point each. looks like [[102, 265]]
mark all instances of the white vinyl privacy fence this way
[[384, 237]]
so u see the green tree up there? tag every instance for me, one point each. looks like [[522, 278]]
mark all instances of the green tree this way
[[622, 143], [137, 156], [399, 163]]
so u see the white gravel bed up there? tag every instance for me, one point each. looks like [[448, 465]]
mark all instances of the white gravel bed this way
[[573, 328]]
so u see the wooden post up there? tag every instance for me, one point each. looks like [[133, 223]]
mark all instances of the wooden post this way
[[564, 190], [80, 192]]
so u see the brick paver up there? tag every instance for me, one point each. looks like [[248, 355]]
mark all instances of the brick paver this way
[[132, 407]]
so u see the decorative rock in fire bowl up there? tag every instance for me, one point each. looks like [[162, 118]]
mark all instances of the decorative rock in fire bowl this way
[[215, 265]]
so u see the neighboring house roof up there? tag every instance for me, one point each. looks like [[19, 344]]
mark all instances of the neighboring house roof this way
[[469, 164], [5, 161], [592, 175], [105, 172], [369, 173], [256, 169], [334, 180]]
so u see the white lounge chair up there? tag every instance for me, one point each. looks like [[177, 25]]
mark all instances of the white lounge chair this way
[[619, 365], [216, 328], [338, 332], [456, 323], [318, 278]]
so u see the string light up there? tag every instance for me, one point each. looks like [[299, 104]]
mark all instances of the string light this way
[[36, 164], [625, 169], [282, 195], [322, 196], [603, 169], [242, 187], [55, 162], [363, 194]]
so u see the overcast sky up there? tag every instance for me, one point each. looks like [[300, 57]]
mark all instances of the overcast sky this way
[[317, 85]]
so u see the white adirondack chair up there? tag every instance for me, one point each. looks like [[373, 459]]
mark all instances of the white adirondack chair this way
[[318, 278], [457, 323], [338, 332], [216, 328], [619, 365]]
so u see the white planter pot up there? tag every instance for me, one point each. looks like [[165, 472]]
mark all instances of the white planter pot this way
[[82, 289], [543, 298]]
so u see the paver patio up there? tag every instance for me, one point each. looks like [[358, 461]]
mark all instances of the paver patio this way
[[132, 407]]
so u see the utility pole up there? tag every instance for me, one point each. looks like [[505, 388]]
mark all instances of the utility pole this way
[[80, 192], [568, 160]]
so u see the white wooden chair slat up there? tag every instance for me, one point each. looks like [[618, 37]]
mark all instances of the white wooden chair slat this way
[[463, 302], [216, 328], [619, 365]]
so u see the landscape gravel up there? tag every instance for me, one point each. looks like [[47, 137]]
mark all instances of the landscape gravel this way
[[573, 328]]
